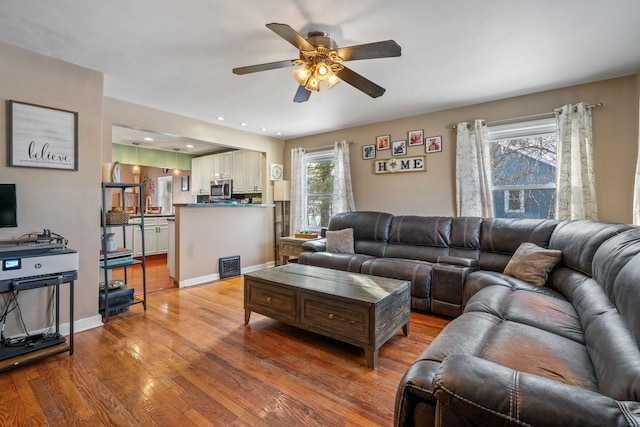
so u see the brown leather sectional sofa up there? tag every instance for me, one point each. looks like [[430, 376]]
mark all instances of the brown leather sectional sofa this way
[[562, 354]]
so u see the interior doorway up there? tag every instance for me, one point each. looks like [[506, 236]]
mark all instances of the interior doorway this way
[[165, 194]]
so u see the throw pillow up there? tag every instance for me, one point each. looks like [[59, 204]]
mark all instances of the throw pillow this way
[[532, 264], [340, 241]]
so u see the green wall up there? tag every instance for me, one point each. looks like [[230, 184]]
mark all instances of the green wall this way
[[128, 155]]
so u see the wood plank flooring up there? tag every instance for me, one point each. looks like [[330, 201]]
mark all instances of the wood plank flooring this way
[[189, 360], [157, 275]]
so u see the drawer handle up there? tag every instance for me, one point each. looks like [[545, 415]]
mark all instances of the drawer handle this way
[[331, 316]]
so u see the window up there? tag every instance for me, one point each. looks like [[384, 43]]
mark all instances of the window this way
[[523, 165], [319, 188], [513, 201]]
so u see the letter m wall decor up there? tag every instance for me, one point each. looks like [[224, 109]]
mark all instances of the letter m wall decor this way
[[41, 137]]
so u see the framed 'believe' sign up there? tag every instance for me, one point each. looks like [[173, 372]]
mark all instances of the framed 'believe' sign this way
[[41, 137]]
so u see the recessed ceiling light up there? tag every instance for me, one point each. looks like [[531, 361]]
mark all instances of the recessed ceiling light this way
[[278, 133], [263, 129], [220, 118], [189, 145], [148, 138], [243, 124]]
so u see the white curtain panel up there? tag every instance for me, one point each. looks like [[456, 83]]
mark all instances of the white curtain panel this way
[[298, 219], [636, 187], [342, 189], [575, 191], [473, 170]]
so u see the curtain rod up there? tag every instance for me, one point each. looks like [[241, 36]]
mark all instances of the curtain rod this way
[[323, 147], [533, 116]]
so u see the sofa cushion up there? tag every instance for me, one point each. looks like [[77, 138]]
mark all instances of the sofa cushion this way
[[579, 241], [419, 238], [541, 308], [340, 241], [370, 230], [532, 263], [465, 237], [344, 262], [501, 237], [418, 272]]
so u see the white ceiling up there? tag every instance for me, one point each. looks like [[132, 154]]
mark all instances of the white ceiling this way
[[177, 56], [162, 141]]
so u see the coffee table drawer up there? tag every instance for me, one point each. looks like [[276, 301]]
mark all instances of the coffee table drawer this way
[[277, 303], [335, 318]]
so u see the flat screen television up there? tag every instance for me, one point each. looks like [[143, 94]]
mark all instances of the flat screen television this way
[[8, 206]]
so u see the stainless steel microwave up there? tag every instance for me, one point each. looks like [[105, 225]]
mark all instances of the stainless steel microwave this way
[[221, 189]]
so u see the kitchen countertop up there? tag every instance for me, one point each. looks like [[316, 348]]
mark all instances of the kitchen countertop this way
[[152, 215], [217, 205]]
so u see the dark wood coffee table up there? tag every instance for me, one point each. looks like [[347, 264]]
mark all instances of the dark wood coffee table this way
[[358, 309]]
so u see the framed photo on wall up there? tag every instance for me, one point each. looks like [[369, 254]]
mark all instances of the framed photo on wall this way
[[433, 144], [416, 137], [399, 148], [41, 137], [369, 151], [382, 142]]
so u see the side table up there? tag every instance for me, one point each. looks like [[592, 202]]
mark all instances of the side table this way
[[290, 247]]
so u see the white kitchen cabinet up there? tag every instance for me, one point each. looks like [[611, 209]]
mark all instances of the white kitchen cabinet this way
[[163, 235], [207, 168], [201, 175], [239, 172], [254, 171], [223, 165], [156, 236], [196, 175], [247, 171]]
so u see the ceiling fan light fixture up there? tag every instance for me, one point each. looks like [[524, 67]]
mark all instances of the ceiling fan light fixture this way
[[322, 71], [332, 80], [302, 74], [313, 84]]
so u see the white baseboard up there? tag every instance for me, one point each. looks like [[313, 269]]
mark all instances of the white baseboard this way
[[213, 277]]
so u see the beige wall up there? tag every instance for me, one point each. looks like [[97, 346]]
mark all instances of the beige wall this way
[[66, 202], [206, 234], [615, 128]]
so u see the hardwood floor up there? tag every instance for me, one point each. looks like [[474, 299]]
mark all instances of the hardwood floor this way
[[157, 275], [190, 360]]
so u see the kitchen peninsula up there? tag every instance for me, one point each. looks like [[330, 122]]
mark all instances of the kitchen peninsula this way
[[206, 232]]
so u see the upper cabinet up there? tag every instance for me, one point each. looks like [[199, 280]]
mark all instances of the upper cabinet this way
[[243, 166], [247, 172], [201, 175], [223, 165]]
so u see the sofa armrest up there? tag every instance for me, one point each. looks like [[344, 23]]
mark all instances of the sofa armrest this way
[[316, 245], [490, 394], [454, 260]]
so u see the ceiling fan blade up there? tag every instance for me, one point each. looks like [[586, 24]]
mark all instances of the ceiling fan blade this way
[[291, 35], [382, 49], [302, 95], [360, 83], [263, 67]]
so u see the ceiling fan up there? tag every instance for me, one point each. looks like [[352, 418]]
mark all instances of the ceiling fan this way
[[322, 61]]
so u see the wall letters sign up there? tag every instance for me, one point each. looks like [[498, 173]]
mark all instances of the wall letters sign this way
[[408, 164], [42, 137]]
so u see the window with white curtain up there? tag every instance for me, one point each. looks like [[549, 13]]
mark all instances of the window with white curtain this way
[[319, 188], [523, 169]]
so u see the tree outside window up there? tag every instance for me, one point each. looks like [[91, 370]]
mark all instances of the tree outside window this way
[[319, 189]]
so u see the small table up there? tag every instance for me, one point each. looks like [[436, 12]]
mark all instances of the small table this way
[[290, 247], [358, 309]]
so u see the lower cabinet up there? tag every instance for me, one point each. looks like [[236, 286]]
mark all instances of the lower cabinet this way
[[156, 236]]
